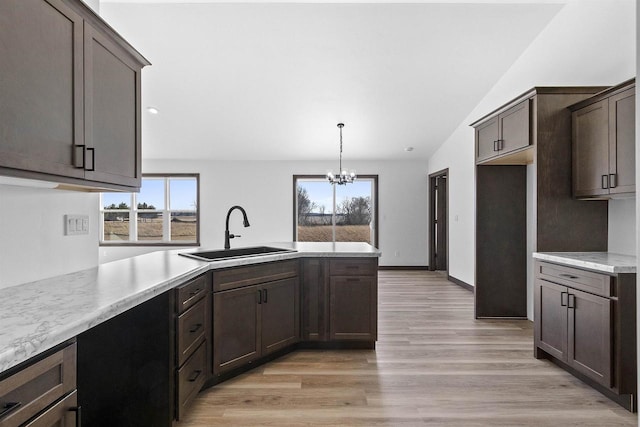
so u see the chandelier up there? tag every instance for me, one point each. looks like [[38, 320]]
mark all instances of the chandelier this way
[[343, 177]]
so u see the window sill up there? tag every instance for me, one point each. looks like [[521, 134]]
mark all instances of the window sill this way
[[141, 244]]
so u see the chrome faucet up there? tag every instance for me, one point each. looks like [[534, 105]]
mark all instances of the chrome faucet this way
[[228, 236]]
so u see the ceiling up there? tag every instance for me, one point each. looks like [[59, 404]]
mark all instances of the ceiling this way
[[270, 81]]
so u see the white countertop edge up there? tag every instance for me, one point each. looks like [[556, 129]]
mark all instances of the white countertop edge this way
[[603, 262], [39, 340]]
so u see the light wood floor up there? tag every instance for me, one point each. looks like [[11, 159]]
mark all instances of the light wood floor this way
[[434, 366]]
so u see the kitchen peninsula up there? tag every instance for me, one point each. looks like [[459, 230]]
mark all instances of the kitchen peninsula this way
[[152, 303]]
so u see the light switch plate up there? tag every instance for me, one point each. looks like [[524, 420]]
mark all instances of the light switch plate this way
[[76, 224]]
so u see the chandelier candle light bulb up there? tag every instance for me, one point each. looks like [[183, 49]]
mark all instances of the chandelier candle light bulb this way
[[344, 177]]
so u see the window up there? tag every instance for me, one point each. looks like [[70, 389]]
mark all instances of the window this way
[[335, 213], [164, 212]]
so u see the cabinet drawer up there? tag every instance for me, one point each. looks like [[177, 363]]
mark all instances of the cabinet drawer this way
[[37, 386], [191, 330], [251, 275], [191, 292], [353, 267], [587, 281], [62, 414], [191, 379]]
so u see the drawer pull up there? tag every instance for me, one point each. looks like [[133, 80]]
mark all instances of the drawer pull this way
[[194, 376], [568, 276], [194, 293], [7, 408], [78, 411], [195, 328], [563, 301]]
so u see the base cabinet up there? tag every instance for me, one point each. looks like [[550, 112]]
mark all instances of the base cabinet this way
[[43, 393], [255, 313], [340, 300], [586, 321], [575, 327]]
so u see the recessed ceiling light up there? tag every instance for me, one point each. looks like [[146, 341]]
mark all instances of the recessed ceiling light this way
[[408, 149], [153, 110]]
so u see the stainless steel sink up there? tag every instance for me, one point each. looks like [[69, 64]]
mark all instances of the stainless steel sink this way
[[224, 254]]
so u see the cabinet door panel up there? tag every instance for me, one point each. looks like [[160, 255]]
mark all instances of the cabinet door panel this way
[[590, 336], [551, 318], [622, 141], [313, 296], [514, 128], [236, 329], [590, 149], [112, 134], [279, 315], [353, 308], [486, 136], [41, 93]]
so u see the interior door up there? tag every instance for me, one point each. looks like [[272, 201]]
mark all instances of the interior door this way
[[441, 223]]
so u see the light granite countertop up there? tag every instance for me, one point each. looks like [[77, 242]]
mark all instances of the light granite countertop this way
[[602, 262], [37, 316]]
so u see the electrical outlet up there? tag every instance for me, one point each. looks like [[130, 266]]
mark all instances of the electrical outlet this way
[[76, 224]]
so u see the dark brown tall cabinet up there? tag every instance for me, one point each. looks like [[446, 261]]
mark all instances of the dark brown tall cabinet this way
[[532, 131], [69, 97], [604, 143]]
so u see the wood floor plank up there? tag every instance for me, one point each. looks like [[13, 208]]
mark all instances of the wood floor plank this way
[[434, 365]]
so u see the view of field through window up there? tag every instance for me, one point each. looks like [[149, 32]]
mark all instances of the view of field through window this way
[[354, 208], [165, 210]]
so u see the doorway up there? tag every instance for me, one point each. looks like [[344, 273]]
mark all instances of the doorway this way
[[438, 227]]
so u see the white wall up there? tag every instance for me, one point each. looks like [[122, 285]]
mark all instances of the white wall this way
[[587, 43], [33, 245], [622, 223], [265, 190]]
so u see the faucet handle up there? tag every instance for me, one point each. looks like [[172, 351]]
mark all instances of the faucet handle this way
[[231, 236]]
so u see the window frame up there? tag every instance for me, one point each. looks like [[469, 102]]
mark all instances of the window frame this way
[[166, 213], [374, 194]]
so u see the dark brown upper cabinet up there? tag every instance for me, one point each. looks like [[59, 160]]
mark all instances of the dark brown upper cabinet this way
[[69, 97], [504, 133], [604, 143]]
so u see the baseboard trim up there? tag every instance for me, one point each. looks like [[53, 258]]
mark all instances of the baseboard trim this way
[[460, 283], [403, 267]]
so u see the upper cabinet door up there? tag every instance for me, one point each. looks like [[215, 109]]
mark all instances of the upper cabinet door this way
[[41, 92], [622, 142], [591, 149], [514, 128], [112, 109], [487, 140]]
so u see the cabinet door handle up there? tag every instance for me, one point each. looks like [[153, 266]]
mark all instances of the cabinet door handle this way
[[605, 182], [572, 301], [194, 376], [563, 298], [78, 411], [259, 296], [613, 180], [8, 407], [93, 159], [265, 296], [76, 157], [568, 276], [500, 144], [495, 145], [195, 327]]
